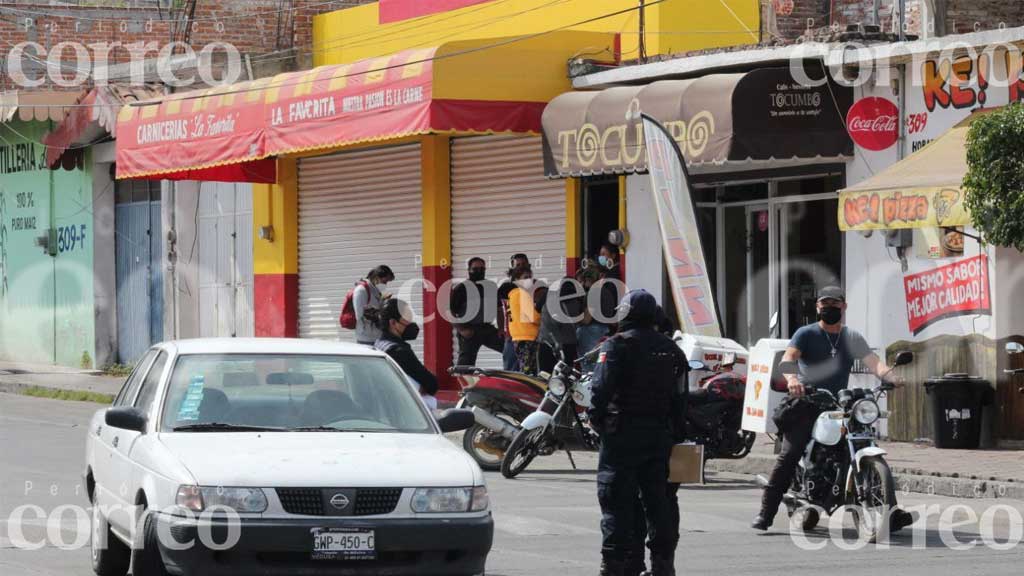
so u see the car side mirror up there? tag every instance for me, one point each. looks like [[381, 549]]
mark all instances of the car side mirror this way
[[455, 420], [903, 358], [126, 418], [1014, 348]]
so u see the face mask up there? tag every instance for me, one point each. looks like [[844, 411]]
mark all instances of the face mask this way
[[411, 332], [525, 283], [603, 261], [477, 274], [830, 315]]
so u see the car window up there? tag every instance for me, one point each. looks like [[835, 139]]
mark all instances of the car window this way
[[131, 386], [151, 383], [349, 393]]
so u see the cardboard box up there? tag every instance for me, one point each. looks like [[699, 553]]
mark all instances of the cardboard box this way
[[686, 466]]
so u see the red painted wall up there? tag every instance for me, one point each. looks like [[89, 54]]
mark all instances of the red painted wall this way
[[397, 10], [276, 305]]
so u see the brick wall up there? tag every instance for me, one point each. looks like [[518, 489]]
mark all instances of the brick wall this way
[[961, 15], [276, 33]]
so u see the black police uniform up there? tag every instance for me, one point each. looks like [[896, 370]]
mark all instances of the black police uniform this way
[[636, 406]]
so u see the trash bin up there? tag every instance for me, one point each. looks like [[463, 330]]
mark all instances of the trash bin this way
[[956, 401]]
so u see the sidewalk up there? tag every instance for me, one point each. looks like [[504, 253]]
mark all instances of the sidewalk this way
[[17, 377], [922, 468]]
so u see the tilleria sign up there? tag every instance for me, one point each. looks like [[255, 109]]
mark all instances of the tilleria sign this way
[[957, 289], [873, 123]]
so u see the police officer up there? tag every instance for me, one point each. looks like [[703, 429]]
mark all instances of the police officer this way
[[636, 407]]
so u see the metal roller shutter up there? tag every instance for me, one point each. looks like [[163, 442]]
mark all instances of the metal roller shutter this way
[[357, 210], [502, 204]]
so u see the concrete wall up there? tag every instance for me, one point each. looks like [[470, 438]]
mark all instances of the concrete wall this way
[[181, 260], [104, 263]]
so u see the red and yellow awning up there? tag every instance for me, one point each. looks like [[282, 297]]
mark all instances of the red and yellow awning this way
[[232, 133]]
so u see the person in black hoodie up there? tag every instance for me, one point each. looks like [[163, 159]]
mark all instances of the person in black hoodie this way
[[474, 306], [397, 330]]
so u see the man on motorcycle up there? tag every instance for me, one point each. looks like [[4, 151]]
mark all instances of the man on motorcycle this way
[[636, 407], [825, 351]]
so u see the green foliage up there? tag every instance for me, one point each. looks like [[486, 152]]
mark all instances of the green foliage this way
[[86, 362], [72, 395], [118, 370], [994, 183]]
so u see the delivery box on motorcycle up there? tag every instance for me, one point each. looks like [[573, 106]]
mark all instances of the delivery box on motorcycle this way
[[762, 396], [711, 351]]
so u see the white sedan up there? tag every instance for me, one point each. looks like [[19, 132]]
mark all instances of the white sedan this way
[[280, 456]]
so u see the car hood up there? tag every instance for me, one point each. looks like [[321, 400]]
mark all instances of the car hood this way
[[313, 459]]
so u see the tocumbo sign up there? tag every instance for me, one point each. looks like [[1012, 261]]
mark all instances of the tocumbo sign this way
[[873, 123]]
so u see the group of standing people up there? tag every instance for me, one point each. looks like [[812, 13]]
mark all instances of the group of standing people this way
[[531, 327]]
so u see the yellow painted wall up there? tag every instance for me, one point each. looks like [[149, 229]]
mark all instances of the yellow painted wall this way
[[276, 205], [672, 26]]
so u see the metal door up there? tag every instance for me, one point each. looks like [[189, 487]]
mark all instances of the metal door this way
[[139, 278], [225, 260]]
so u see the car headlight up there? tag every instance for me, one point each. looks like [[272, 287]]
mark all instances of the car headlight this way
[[242, 500], [556, 386], [866, 412], [447, 500]]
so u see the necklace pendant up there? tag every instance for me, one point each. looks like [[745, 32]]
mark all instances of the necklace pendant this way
[[834, 352]]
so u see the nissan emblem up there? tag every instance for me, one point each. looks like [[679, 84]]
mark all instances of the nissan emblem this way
[[339, 501]]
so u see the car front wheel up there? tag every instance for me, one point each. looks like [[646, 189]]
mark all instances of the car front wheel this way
[[146, 559], [110, 556]]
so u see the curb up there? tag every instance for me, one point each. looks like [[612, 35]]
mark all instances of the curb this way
[[21, 389], [905, 482]]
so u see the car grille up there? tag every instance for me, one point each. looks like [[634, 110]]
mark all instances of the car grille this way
[[310, 501]]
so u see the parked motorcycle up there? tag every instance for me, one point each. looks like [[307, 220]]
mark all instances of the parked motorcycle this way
[[500, 400], [714, 412], [560, 422], [843, 465]]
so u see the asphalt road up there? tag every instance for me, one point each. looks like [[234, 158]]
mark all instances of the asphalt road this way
[[546, 521]]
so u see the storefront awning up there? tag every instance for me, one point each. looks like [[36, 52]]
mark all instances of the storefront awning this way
[[921, 191], [35, 106], [93, 117], [759, 119], [232, 133]]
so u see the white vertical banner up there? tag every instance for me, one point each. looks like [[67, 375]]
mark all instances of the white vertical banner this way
[[677, 218]]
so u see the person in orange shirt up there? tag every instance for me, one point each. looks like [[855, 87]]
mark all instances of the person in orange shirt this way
[[524, 324]]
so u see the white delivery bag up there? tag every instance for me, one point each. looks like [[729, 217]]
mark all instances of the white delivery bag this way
[[760, 400]]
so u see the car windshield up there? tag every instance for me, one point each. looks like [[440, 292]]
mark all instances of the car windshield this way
[[251, 392]]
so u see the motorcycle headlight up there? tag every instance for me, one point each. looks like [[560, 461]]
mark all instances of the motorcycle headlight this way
[[556, 386], [447, 500], [866, 412], [242, 500]]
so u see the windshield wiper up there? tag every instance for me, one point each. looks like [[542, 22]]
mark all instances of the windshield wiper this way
[[333, 429], [222, 427]]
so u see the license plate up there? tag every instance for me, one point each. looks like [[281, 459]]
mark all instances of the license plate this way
[[343, 543]]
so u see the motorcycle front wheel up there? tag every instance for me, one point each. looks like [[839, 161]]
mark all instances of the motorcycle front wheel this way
[[878, 499], [521, 451]]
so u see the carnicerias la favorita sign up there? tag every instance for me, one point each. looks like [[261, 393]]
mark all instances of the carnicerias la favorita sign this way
[[956, 289]]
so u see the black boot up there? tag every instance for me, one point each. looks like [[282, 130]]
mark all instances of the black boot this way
[[613, 568], [635, 567], [770, 502], [662, 567]]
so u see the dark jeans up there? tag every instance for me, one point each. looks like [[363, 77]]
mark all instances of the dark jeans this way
[[508, 356], [483, 335], [794, 442], [632, 462]]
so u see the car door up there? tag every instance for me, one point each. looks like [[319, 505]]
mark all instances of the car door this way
[[121, 447], [107, 484]]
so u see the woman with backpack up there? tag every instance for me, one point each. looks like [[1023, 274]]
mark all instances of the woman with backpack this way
[[364, 303]]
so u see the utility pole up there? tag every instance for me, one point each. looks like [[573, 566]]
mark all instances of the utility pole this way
[[643, 31]]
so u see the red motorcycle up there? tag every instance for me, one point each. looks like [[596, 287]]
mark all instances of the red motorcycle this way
[[500, 400]]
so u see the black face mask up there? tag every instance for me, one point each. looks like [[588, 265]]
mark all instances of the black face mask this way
[[477, 274], [830, 315], [411, 332]]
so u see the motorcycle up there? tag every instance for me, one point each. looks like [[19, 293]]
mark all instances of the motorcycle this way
[[500, 400], [560, 422], [843, 464], [714, 412]]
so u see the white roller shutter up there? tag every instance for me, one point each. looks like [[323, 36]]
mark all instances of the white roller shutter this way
[[502, 204], [357, 210]]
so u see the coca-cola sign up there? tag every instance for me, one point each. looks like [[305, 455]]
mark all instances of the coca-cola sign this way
[[873, 123]]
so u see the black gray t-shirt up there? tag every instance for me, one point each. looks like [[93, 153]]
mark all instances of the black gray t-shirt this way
[[821, 368]]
